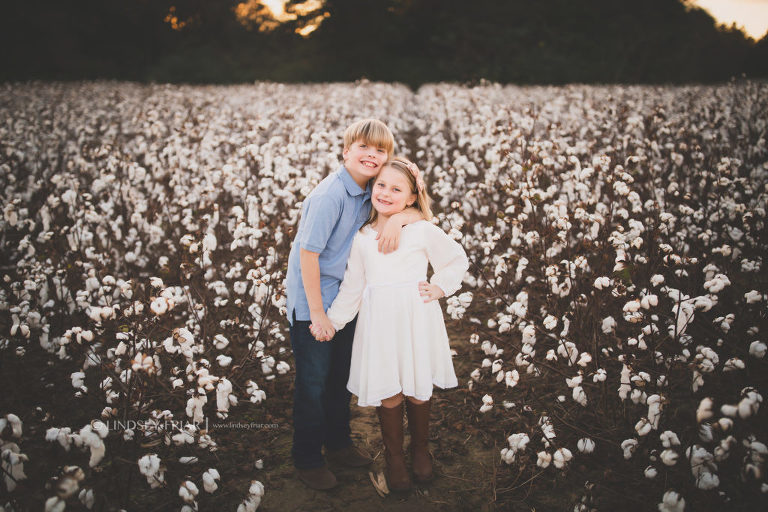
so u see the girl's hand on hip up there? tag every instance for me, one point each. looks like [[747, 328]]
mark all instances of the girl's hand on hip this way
[[430, 292]]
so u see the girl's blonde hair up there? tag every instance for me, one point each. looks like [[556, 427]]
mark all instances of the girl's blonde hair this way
[[423, 201]]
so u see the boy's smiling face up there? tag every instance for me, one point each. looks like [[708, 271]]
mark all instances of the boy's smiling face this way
[[364, 161]]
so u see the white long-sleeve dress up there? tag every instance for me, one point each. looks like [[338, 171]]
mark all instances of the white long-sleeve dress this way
[[400, 342]]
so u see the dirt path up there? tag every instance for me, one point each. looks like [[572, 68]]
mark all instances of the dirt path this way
[[464, 466]]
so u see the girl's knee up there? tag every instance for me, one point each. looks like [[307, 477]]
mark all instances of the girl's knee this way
[[415, 401], [392, 401]]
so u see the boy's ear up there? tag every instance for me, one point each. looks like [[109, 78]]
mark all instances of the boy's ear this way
[[344, 153]]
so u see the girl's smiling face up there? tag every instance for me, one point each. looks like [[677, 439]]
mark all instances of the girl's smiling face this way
[[391, 192]]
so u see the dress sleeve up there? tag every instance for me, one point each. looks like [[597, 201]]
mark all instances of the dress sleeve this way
[[448, 260], [347, 303]]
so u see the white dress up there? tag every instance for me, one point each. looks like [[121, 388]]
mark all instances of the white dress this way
[[400, 342]]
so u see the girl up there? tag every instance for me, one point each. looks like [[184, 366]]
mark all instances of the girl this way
[[400, 345]]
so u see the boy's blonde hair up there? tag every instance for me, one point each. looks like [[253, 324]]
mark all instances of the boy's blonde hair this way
[[423, 201], [371, 131]]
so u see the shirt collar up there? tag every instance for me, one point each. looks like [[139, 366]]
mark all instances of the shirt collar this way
[[351, 185]]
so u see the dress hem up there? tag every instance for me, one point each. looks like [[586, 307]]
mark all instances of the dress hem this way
[[377, 402]]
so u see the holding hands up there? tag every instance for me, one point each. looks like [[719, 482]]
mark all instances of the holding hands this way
[[430, 291], [321, 327]]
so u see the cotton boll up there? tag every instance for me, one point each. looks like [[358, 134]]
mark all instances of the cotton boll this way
[[586, 445], [758, 349], [579, 396], [704, 411], [669, 457], [220, 342], [55, 504], [78, 379], [209, 480], [282, 367], [672, 502], [543, 459], [650, 472], [87, 498], [487, 404], [729, 410], [629, 446], [188, 491], [561, 457], [643, 427], [669, 439], [223, 360], [608, 325]]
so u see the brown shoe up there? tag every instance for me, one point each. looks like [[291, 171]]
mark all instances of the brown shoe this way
[[350, 456], [418, 426], [391, 422], [320, 478]]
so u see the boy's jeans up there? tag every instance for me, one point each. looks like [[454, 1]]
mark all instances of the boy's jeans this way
[[320, 399]]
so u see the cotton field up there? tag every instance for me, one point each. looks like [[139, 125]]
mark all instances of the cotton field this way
[[613, 321]]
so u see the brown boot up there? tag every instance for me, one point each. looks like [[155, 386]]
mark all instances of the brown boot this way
[[418, 426], [391, 421]]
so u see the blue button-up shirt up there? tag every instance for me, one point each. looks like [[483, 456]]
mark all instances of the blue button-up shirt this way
[[330, 216]]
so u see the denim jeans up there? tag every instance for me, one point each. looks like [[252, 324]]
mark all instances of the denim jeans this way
[[320, 398]]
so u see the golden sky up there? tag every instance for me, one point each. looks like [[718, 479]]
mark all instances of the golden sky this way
[[752, 15]]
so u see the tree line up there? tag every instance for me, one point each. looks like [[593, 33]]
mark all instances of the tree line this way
[[410, 41]]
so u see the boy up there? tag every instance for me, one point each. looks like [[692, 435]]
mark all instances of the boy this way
[[330, 217]]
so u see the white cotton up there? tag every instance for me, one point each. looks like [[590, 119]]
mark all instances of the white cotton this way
[[220, 342], [518, 442], [758, 349], [704, 411], [600, 375], [55, 504], [561, 457], [669, 457], [550, 322], [159, 306], [672, 502], [188, 491], [629, 446], [223, 392], [579, 396], [209, 480], [87, 498], [543, 459], [729, 410], [282, 367], [223, 360], [78, 379], [624, 386], [511, 378], [650, 472], [584, 359], [608, 325], [707, 481], [753, 296], [602, 282], [733, 364], [15, 423], [585, 445], [643, 427], [669, 439]]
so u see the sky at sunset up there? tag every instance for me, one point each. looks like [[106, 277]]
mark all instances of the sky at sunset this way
[[752, 15]]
